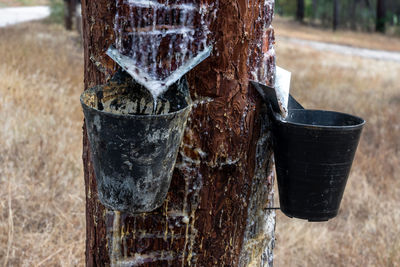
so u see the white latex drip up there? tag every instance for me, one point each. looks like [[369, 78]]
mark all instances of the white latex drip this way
[[152, 23]]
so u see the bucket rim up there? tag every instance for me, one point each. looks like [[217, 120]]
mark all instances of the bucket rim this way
[[136, 116], [322, 127]]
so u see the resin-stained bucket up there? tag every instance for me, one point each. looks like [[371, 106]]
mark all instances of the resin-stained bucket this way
[[314, 151], [134, 148]]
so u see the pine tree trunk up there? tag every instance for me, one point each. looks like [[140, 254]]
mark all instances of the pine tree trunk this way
[[335, 23], [69, 13], [380, 16], [300, 10], [215, 213]]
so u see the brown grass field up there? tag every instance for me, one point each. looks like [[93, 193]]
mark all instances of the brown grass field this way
[[42, 221], [42, 204]]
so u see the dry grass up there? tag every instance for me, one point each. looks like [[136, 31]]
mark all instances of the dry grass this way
[[367, 229], [42, 221], [41, 186], [288, 27]]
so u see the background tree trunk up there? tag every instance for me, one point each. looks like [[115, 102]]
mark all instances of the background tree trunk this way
[[380, 16], [215, 212], [335, 23], [69, 13], [300, 10]]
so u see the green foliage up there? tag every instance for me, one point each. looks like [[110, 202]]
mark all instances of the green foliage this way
[[324, 12], [57, 11], [309, 10], [285, 7], [366, 19]]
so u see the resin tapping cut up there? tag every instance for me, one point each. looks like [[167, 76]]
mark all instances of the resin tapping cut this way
[[157, 41]]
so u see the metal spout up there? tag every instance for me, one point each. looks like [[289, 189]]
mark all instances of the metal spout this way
[[144, 78], [278, 97]]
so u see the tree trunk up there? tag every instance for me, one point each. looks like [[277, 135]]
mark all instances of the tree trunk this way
[[335, 23], [380, 16], [300, 10], [69, 13], [353, 15], [215, 213]]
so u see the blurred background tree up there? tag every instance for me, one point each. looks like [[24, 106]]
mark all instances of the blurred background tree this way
[[300, 10], [380, 16], [358, 15]]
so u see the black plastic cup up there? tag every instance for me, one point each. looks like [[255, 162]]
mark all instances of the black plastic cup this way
[[314, 151], [133, 148]]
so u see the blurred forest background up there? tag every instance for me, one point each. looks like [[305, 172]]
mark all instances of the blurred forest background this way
[[42, 199], [365, 15]]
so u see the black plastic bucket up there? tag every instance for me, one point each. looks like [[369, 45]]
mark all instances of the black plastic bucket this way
[[314, 151], [133, 150]]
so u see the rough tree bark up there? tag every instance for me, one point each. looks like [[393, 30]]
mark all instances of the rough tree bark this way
[[215, 212], [380, 16]]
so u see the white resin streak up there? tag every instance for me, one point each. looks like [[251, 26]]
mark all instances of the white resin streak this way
[[149, 3], [259, 235], [140, 259], [120, 259], [141, 60], [182, 30], [14, 15]]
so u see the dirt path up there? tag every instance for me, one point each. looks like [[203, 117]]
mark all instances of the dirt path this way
[[344, 49], [14, 15]]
